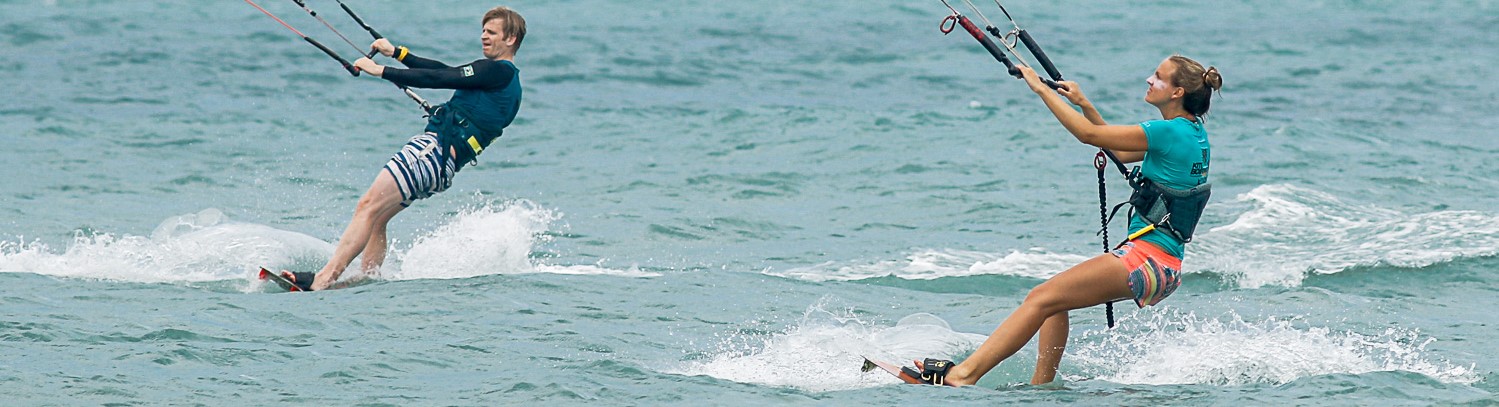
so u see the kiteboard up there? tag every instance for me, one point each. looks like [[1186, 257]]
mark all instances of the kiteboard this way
[[891, 368], [287, 280]]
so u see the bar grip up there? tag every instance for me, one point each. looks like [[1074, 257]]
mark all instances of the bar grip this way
[[1030, 43], [350, 67], [989, 45]]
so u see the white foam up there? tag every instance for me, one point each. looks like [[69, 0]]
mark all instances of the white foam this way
[[1286, 233], [1171, 348], [1291, 231], [488, 240], [208, 246], [205, 246], [934, 264], [823, 350], [1166, 348]]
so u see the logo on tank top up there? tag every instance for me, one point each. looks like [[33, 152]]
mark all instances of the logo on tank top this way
[[1200, 169]]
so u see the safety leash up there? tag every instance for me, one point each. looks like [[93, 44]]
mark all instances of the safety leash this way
[[1100, 162]]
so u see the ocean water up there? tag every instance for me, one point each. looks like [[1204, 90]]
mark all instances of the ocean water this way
[[727, 203]]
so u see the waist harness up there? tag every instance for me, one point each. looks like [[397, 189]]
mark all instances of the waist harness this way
[[1170, 210], [454, 129]]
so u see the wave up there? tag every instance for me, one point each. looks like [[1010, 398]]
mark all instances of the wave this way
[[209, 246], [205, 246], [1283, 233], [1167, 348], [1291, 232], [489, 240], [832, 342], [1175, 348], [935, 264]]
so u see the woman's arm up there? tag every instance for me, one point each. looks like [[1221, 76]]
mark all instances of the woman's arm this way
[[1074, 93], [1121, 139]]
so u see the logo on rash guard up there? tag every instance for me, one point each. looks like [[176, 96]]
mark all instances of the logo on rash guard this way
[[468, 70], [1201, 168]]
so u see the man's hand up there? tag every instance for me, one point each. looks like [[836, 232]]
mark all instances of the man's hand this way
[[384, 47], [369, 66]]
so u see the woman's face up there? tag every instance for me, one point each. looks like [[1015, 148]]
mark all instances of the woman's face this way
[[1161, 89]]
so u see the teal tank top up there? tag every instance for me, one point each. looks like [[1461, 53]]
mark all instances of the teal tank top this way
[[1177, 156]]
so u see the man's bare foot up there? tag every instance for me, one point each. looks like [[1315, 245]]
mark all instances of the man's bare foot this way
[[324, 280]]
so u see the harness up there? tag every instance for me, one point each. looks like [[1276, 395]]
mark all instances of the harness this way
[[1169, 210], [455, 129]]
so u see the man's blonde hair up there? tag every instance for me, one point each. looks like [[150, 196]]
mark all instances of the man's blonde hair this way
[[515, 25]]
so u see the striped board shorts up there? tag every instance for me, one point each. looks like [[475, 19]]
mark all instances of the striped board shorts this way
[[1153, 274], [421, 169]]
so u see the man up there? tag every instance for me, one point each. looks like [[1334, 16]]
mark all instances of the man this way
[[486, 96]]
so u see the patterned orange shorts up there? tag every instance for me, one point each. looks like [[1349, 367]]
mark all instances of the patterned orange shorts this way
[[1153, 274]]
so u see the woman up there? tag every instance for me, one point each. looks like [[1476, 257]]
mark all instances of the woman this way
[[1175, 155]]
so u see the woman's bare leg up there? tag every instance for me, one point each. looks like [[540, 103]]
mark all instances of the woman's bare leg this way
[[1049, 348], [1092, 282]]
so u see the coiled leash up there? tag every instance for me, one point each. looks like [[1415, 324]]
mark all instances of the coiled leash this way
[[1101, 161]]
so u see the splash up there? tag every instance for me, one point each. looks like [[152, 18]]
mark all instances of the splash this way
[[205, 246], [1171, 348], [934, 264], [486, 240], [831, 342], [209, 246], [1293, 231]]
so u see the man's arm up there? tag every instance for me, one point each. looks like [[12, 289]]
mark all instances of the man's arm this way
[[404, 55], [415, 62], [480, 74]]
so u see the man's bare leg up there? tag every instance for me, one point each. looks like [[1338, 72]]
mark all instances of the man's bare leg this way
[[374, 251], [380, 203]]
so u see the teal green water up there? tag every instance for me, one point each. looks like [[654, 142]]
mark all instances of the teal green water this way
[[726, 203]]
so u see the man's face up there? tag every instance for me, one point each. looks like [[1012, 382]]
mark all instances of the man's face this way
[[494, 40]]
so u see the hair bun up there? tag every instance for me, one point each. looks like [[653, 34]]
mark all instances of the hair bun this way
[[1212, 78]]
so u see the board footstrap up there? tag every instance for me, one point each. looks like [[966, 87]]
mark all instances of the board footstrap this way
[[289, 281]]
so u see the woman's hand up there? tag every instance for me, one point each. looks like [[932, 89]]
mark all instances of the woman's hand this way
[[1033, 80], [384, 47], [1069, 89], [1073, 93]]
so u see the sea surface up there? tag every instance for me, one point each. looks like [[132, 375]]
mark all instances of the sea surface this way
[[727, 203]]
